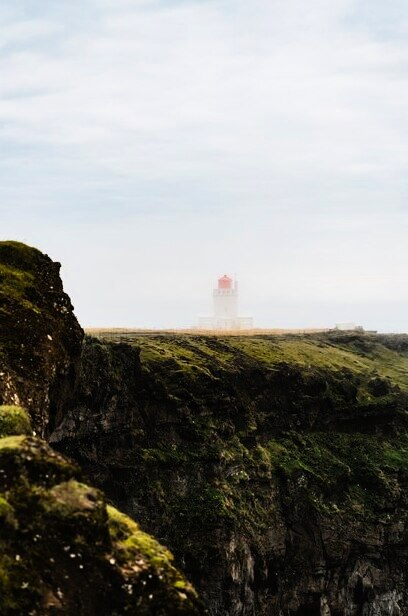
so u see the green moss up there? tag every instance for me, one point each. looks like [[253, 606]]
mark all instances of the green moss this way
[[19, 255], [132, 544], [7, 513], [17, 285], [128, 536], [207, 506], [70, 498], [14, 420], [11, 442], [316, 352], [194, 356], [349, 469], [60, 543], [167, 456], [16, 587], [14, 281], [197, 356]]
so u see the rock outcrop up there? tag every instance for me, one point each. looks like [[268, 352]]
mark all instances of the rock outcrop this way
[[40, 344], [64, 551], [275, 468]]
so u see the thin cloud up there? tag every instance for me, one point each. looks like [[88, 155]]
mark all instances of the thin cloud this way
[[249, 124]]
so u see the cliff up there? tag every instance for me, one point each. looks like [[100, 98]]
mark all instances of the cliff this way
[[63, 548], [275, 468], [40, 344]]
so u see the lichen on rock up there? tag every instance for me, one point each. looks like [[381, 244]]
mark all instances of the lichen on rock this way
[[40, 346], [64, 551]]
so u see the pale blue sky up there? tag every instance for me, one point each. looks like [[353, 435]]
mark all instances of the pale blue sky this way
[[151, 146]]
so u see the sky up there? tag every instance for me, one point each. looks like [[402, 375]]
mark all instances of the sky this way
[[151, 146]]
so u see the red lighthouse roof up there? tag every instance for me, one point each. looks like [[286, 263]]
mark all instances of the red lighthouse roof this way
[[225, 282]]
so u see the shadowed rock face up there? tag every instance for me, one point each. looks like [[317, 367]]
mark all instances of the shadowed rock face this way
[[41, 339], [275, 469]]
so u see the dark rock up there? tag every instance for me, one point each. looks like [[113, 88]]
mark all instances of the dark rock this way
[[379, 387], [40, 342], [64, 551]]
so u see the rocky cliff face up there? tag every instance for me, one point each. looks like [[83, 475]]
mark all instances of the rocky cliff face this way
[[275, 468], [63, 550], [41, 339]]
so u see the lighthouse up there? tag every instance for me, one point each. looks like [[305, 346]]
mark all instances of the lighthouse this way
[[225, 308], [225, 299]]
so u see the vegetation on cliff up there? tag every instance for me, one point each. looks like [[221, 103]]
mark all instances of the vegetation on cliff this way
[[274, 467], [40, 345], [13, 421], [63, 551]]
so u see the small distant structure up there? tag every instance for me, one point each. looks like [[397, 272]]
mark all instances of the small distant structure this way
[[348, 327], [225, 308]]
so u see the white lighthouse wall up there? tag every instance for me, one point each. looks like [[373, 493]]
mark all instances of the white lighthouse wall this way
[[225, 303]]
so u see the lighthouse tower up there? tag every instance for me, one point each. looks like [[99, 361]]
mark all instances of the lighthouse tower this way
[[225, 300], [225, 308]]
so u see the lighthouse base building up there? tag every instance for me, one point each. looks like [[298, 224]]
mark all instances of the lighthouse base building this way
[[214, 323], [225, 308]]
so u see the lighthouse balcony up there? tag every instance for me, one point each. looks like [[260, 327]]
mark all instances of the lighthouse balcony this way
[[225, 292]]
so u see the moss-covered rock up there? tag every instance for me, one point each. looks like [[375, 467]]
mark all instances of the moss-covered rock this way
[[63, 551], [14, 420], [40, 338]]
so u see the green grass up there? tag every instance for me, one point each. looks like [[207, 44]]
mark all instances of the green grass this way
[[19, 255], [205, 356], [15, 284]]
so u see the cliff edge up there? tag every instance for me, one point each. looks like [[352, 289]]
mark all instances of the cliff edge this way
[[40, 344]]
